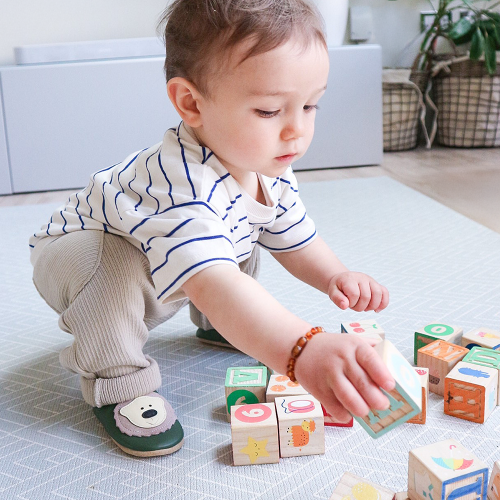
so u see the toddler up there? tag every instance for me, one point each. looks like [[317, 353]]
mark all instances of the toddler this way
[[181, 222]]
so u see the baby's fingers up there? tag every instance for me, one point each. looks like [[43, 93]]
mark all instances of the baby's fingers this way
[[371, 362]]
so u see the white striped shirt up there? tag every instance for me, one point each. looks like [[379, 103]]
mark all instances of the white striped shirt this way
[[178, 204]]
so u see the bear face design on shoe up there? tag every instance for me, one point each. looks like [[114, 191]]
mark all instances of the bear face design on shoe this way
[[145, 416]]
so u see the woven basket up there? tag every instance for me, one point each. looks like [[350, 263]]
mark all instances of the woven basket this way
[[468, 100], [402, 111]]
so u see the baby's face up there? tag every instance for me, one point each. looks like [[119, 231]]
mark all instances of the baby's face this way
[[260, 113]]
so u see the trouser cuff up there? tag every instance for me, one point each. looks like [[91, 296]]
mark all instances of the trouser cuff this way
[[106, 391]]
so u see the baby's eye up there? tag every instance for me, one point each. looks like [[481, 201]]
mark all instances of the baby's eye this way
[[266, 114], [308, 107]]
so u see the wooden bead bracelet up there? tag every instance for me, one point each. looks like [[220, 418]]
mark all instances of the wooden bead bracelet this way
[[297, 350]]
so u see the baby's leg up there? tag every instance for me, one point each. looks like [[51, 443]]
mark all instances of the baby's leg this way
[[102, 288], [251, 266]]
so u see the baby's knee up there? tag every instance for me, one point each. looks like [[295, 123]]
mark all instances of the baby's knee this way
[[65, 265]]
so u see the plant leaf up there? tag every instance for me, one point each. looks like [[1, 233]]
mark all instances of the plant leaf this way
[[494, 32], [461, 31], [490, 55], [477, 45]]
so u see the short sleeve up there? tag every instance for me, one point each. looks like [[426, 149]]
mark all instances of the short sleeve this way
[[293, 228], [182, 241]]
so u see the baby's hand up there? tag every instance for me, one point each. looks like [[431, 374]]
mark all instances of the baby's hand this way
[[345, 373], [357, 291]]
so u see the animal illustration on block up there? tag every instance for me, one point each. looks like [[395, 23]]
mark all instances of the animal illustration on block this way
[[446, 470], [301, 425], [436, 331], [300, 433]]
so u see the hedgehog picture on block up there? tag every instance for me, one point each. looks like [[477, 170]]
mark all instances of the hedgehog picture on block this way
[[301, 426]]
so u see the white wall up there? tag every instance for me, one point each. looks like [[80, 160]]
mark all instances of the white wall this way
[[24, 22], [395, 25]]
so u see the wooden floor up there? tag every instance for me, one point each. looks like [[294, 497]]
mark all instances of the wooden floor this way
[[466, 180]]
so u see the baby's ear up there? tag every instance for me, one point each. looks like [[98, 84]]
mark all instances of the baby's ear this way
[[184, 96]]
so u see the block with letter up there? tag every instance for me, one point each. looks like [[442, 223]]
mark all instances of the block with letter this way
[[436, 331], [245, 385], [494, 484], [405, 399], [482, 337], [485, 357], [254, 433], [282, 386], [446, 471], [440, 357], [471, 392], [351, 487], [423, 374], [363, 328], [301, 426]]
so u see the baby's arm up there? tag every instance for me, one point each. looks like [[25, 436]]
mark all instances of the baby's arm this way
[[319, 267], [342, 371]]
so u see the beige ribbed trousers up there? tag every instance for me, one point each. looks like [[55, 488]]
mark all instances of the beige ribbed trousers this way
[[101, 287]]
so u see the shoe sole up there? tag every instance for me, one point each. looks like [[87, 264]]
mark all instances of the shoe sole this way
[[218, 344], [153, 453]]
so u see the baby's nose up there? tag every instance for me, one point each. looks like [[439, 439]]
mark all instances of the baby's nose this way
[[149, 414]]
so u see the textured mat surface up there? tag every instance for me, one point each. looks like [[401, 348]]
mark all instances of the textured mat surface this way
[[437, 264]]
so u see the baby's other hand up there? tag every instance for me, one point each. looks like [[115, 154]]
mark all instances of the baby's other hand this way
[[345, 373], [358, 292]]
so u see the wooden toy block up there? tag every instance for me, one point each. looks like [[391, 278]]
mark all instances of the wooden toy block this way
[[485, 357], [494, 484], [440, 357], [471, 392], [401, 495], [405, 399], [254, 433], [446, 471], [245, 385], [482, 337], [282, 386], [423, 374], [351, 487], [333, 422], [363, 328], [301, 427], [436, 331]]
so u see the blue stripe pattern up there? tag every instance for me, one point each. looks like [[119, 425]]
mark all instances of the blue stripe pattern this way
[[178, 204], [198, 264]]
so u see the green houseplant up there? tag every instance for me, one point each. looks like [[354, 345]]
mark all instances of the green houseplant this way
[[466, 82], [480, 26]]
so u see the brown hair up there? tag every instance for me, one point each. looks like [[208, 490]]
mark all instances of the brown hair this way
[[198, 34]]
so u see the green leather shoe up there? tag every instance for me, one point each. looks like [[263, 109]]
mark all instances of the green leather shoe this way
[[144, 427], [213, 337]]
